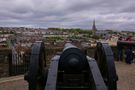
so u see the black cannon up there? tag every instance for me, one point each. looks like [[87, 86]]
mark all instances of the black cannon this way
[[123, 46], [72, 69], [126, 43]]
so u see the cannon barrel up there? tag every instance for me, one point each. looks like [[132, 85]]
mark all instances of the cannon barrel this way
[[126, 43], [72, 59]]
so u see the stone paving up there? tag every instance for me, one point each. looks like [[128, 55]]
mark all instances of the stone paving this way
[[126, 75], [13, 83], [125, 72]]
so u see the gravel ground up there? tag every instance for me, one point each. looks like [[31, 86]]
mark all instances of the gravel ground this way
[[126, 74], [13, 83]]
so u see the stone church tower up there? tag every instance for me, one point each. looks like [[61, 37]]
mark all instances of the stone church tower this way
[[94, 26]]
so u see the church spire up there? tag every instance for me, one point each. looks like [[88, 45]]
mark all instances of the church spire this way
[[94, 26]]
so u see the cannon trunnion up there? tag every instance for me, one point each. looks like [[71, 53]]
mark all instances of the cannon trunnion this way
[[73, 70]]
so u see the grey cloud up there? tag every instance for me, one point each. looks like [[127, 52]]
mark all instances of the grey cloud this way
[[129, 9], [68, 13]]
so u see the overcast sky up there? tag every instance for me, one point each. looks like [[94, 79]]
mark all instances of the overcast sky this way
[[109, 14]]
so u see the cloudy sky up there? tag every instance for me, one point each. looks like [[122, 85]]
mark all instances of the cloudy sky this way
[[109, 14]]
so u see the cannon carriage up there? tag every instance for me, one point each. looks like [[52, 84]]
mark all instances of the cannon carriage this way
[[72, 69]]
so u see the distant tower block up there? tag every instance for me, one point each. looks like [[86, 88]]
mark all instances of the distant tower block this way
[[94, 26]]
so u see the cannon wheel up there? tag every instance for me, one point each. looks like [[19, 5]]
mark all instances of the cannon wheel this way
[[105, 59], [36, 68]]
